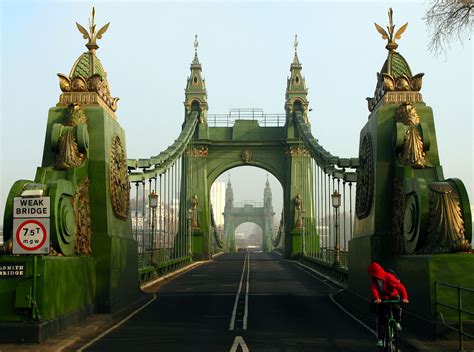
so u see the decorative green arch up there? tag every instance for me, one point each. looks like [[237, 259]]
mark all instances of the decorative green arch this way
[[275, 149]]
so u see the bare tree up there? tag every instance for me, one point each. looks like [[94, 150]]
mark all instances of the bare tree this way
[[448, 20]]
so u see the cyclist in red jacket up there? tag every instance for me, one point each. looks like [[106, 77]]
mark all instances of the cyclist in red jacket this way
[[385, 286]]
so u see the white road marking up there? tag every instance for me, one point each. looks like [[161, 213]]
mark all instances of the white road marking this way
[[306, 269], [239, 341], [116, 325], [352, 316], [234, 312], [301, 266], [244, 326]]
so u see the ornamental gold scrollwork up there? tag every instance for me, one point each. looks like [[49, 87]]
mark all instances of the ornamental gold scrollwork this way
[[83, 219], [413, 149], [365, 178], [200, 152], [85, 87], [119, 184], [69, 155], [395, 86], [297, 151], [446, 230], [76, 87]]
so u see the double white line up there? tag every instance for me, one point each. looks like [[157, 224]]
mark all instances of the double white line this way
[[237, 296]]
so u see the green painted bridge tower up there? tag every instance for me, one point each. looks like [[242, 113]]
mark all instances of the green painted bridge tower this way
[[248, 212], [274, 147]]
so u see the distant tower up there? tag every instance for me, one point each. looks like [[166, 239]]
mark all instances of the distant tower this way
[[229, 230], [269, 214]]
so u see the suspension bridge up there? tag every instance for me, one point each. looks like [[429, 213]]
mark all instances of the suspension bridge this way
[[94, 227]]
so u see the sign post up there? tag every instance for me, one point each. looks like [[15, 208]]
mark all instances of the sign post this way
[[31, 223]]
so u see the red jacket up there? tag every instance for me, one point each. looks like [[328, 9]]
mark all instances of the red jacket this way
[[391, 286]]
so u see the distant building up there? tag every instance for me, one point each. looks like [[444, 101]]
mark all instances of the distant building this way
[[218, 201]]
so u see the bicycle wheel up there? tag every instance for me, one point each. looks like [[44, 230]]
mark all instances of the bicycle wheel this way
[[391, 337]]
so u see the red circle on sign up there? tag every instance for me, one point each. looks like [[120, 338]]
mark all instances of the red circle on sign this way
[[18, 235]]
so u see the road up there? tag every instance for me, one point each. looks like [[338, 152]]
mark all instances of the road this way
[[240, 302]]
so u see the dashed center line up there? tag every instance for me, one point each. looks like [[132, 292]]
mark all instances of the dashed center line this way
[[241, 299]]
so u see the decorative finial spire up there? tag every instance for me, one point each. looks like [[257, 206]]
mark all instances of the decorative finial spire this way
[[196, 43], [92, 35], [391, 45], [196, 46], [296, 61]]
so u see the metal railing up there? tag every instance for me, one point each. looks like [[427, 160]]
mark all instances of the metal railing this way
[[276, 241], [459, 309], [332, 224], [217, 240], [160, 219], [228, 120], [249, 203]]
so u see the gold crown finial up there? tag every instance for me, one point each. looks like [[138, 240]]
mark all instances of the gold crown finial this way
[[295, 43], [92, 35], [390, 36], [196, 43]]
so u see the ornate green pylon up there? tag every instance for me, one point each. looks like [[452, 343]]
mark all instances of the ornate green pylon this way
[[407, 214], [92, 262]]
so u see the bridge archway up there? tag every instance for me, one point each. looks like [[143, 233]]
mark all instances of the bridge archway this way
[[243, 195], [216, 150], [248, 234]]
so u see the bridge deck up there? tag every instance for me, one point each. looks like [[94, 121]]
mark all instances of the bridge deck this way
[[288, 310]]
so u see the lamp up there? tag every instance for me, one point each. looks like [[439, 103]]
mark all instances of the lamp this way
[[153, 204], [336, 203], [190, 230], [153, 200], [336, 199]]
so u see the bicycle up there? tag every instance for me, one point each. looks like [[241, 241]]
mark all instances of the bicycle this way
[[391, 332]]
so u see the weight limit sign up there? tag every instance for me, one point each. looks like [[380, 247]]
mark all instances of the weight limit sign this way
[[31, 236]]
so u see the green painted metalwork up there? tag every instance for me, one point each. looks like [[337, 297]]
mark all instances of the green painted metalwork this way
[[260, 215], [408, 216], [92, 260]]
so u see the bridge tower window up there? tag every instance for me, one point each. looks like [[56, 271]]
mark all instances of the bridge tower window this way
[[196, 106], [297, 106]]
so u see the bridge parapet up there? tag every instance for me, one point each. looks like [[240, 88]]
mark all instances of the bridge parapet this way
[[229, 119]]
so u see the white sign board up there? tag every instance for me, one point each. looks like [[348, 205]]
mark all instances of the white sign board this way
[[31, 225], [35, 207], [31, 236]]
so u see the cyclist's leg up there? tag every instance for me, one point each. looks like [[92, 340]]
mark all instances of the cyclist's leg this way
[[397, 312], [381, 320]]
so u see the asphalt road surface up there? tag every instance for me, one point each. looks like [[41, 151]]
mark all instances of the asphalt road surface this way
[[240, 302]]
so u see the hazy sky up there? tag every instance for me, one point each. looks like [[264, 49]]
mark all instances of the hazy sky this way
[[245, 49]]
